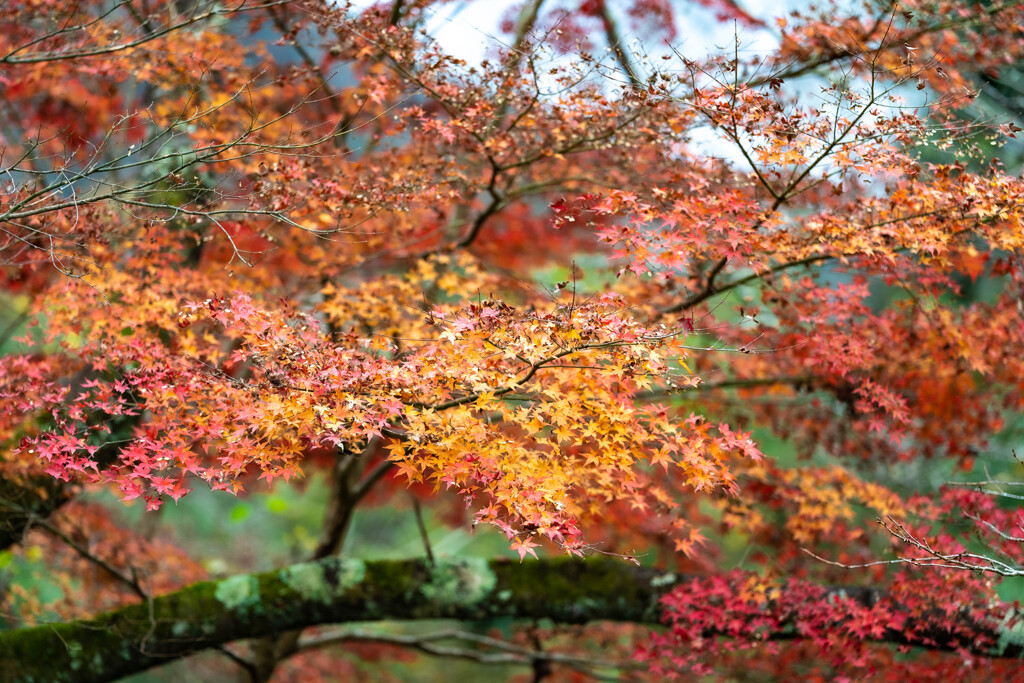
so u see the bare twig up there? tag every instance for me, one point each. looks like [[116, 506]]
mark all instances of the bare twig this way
[[417, 510], [507, 653]]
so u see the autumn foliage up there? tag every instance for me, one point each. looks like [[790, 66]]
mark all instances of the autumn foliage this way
[[753, 316]]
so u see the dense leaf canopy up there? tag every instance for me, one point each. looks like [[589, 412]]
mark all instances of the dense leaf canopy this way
[[750, 320]]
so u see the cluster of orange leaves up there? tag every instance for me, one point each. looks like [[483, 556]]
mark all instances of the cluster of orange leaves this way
[[330, 267]]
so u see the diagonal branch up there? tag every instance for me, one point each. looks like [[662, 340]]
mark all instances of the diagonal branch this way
[[209, 614]]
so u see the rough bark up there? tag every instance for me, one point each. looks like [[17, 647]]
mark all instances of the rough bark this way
[[333, 590]]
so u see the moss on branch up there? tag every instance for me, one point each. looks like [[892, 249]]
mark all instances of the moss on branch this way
[[334, 590], [327, 591]]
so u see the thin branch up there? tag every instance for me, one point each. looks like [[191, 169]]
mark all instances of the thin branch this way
[[343, 500], [417, 510], [54, 56], [369, 480], [933, 558], [130, 582], [611, 31], [710, 289], [525, 22], [245, 664], [396, 12], [508, 653]]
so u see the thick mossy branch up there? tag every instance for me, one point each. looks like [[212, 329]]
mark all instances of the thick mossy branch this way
[[331, 590]]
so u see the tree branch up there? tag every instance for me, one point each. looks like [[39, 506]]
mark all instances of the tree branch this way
[[611, 31], [209, 614], [36, 496], [506, 652]]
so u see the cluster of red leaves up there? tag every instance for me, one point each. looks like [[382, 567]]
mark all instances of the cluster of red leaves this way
[[380, 234], [736, 611]]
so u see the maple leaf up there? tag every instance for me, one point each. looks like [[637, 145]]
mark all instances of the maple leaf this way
[[524, 547], [337, 264]]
